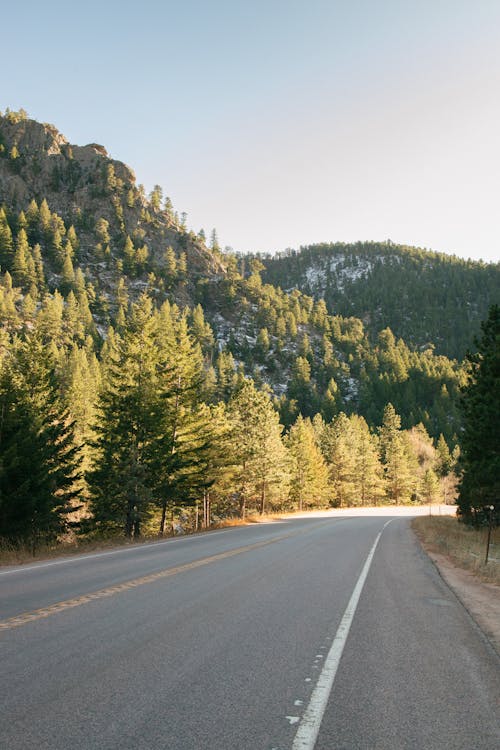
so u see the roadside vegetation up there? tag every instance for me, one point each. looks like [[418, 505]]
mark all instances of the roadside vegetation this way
[[151, 384], [464, 545]]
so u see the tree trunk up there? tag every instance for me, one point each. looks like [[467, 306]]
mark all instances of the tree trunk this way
[[137, 527], [129, 521], [163, 517], [206, 510]]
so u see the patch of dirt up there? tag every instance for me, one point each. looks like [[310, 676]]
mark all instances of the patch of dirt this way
[[481, 600]]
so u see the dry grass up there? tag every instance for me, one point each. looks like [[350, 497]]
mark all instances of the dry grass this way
[[18, 555], [464, 546], [22, 554], [252, 518]]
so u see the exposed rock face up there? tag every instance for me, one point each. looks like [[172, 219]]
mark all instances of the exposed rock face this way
[[84, 185]]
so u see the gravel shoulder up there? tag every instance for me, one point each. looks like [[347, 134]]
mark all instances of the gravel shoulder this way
[[482, 600]]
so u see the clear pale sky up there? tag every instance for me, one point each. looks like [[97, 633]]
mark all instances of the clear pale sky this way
[[281, 122]]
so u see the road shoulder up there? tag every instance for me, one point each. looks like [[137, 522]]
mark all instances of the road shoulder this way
[[482, 600]]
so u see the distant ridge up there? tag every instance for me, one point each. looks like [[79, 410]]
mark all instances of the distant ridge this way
[[423, 296]]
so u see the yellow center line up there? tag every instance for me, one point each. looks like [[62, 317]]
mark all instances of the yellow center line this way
[[52, 609]]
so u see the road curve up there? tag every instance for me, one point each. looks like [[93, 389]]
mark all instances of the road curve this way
[[220, 641]]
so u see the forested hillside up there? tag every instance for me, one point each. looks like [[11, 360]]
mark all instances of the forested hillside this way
[[424, 297], [143, 371]]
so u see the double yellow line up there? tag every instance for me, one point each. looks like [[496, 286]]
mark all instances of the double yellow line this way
[[52, 609]]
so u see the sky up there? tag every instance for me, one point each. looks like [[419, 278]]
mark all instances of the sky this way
[[281, 123]]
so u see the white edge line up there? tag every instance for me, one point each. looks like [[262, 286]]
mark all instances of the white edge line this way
[[92, 555], [308, 730]]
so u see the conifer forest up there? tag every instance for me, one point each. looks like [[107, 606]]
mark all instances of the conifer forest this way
[[153, 382]]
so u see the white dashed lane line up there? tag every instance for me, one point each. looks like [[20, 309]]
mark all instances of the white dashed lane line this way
[[307, 732]]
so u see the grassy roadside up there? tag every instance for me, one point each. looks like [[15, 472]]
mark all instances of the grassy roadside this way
[[464, 546], [20, 555]]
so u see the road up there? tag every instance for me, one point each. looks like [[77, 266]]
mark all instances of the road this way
[[285, 636]]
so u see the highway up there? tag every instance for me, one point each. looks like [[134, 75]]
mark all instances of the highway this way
[[334, 633]]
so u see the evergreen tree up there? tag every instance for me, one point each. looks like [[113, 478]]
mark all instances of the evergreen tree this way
[[226, 375], [261, 461], [6, 242], [429, 487], [395, 458], [39, 462], [217, 459], [214, 241], [50, 320], [185, 424], [309, 472], [300, 388], [127, 428], [129, 256], [480, 454], [44, 218], [444, 461], [368, 472], [201, 330], [156, 197], [39, 270], [32, 219], [170, 266], [68, 274], [20, 273], [338, 449]]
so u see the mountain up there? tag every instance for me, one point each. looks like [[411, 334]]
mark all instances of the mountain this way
[[80, 240], [100, 198], [426, 298]]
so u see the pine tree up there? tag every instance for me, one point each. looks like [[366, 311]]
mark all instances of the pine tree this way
[[50, 319], [201, 330], [400, 481], [73, 328], [127, 428], [184, 422], [332, 401], [44, 218], [156, 197], [300, 388], [182, 267], [170, 266], [429, 487], [80, 388], [309, 472], [129, 256], [32, 220], [263, 343], [56, 247], [338, 449], [214, 241], [368, 472], [72, 239], [480, 454], [168, 209], [39, 270], [20, 271], [68, 274], [39, 462], [262, 468], [444, 461], [217, 459], [6, 242], [226, 376]]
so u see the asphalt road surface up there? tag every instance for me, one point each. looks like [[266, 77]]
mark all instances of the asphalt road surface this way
[[333, 633]]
